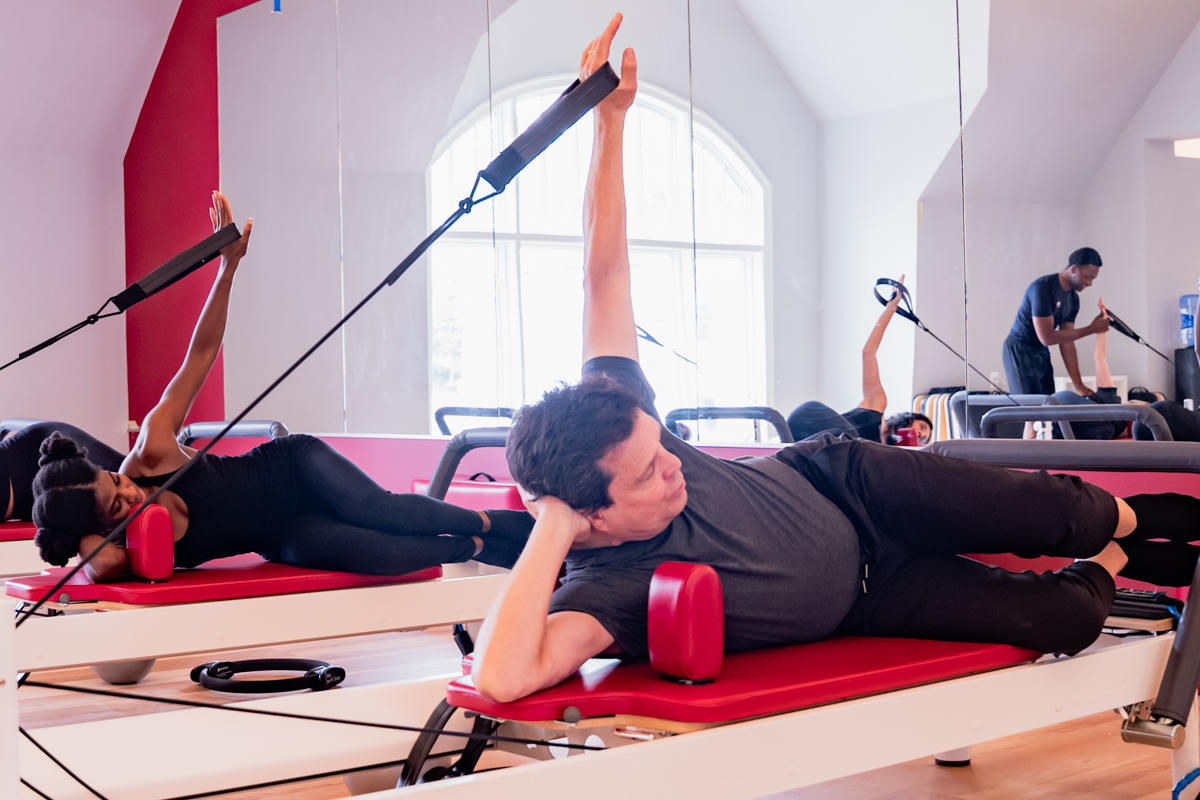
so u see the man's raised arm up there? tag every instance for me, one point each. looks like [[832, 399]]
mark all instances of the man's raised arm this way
[[522, 647], [608, 327]]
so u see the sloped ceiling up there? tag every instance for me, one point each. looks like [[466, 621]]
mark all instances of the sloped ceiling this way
[[1064, 79], [852, 58], [76, 72]]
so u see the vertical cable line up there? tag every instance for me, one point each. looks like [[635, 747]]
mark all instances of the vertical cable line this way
[[337, 71], [692, 182], [502, 290], [962, 190]]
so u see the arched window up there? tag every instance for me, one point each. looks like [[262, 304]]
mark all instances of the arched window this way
[[506, 282]]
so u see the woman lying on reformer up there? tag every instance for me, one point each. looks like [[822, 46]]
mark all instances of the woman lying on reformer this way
[[866, 421], [293, 499]]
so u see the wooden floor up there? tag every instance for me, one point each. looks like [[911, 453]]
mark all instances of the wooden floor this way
[[1084, 758]]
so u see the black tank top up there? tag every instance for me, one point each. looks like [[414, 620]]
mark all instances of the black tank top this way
[[236, 504]]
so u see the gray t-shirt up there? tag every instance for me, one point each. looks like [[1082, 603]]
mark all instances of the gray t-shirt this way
[[788, 559]]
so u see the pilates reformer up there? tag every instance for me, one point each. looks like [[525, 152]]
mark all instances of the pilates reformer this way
[[1063, 416], [809, 713], [244, 600]]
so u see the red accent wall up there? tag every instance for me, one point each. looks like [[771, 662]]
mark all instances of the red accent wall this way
[[171, 167]]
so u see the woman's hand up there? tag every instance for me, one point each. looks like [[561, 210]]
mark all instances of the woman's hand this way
[[221, 215], [596, 55]]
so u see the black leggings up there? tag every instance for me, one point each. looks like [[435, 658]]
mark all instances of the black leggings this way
[[1184, 424], [19, 458], [915, 512], [347, 522]]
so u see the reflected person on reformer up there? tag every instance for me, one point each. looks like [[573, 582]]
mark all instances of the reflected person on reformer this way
[[866, 421], [293, 499]]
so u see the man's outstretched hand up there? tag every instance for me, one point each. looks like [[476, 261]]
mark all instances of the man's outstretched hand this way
[[596, 55]]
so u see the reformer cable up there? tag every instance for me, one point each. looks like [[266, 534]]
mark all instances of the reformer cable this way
[[316, 776], [34, 789], [60, 764], [905, 309], [307, 717]]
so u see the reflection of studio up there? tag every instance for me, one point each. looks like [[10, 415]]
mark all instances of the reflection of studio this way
[[950, 229]]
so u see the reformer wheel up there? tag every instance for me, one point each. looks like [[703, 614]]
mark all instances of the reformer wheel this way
[[471, 751], [411, 774]]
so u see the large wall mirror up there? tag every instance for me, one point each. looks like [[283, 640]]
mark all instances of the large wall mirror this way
[[781, 157], [1073, 143]]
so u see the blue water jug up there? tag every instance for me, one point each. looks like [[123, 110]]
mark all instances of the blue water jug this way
[[1187, 319]]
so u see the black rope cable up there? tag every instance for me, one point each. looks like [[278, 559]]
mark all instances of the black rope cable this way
[[34, 789], [60, 764], [464, 207], [309, 717], [313, 777], [962, 194], [905, 309]]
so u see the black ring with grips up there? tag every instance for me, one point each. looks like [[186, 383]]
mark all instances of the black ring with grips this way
[[219, 675], [905, 308]]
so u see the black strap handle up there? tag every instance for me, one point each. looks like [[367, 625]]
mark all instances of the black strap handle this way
[[577, 100], [905, 308]]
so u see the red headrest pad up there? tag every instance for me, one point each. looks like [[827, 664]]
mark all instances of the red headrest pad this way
[[150, 543], [686, 621]]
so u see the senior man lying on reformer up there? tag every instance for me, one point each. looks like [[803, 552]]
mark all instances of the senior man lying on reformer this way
[[831, 536]]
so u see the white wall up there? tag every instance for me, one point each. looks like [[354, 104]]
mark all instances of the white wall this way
[[62, 221], [1140, 208], [876, 167], [76, 76]]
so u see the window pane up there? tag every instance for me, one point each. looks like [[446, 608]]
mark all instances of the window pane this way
[[463, 353], [663, 306], [658, 184], [731, 334], [551, 315], [729, 199]]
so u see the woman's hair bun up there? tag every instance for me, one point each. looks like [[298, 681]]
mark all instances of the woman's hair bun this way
[[57, 447]]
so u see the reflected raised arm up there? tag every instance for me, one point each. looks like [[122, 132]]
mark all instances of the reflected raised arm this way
[[157, 436]]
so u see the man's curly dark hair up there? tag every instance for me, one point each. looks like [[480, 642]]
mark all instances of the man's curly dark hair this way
[[555, 445], [64, 503]]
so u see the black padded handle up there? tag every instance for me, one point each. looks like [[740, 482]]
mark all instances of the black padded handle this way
[[462, 443], [440, 415], [763, 413], [179, 266], [266, 428], [565, 111], [1067, 414]]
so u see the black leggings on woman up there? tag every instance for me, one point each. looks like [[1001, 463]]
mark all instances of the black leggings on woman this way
[[19, 459], [345, 521]]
